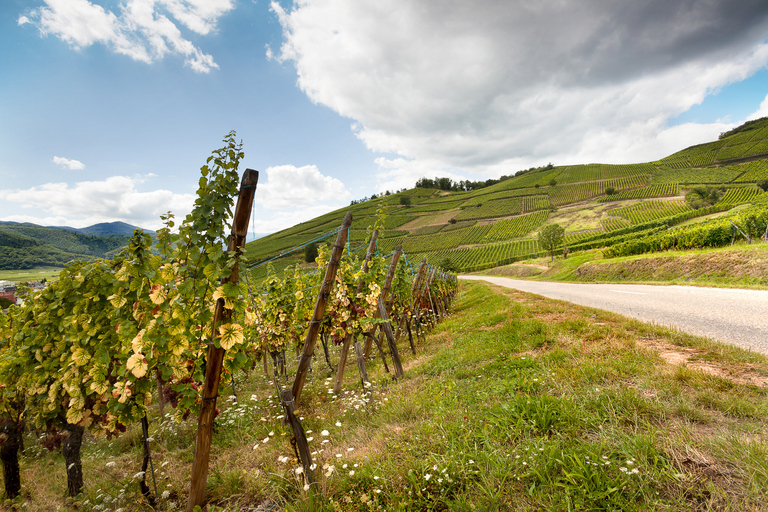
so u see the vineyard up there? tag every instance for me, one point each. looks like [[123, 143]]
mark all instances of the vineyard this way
[[650, 210], [666, 190], [93, 352], [454, 225]]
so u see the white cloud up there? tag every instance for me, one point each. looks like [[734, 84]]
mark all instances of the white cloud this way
[[72, 165], [140, 29], [490, 87], [90, 202], [762, 111], [296, 194]]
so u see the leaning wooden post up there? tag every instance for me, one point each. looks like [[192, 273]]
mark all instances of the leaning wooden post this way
[[215, 357], [387, 329], [348, 337], [416, 308], [322, 301], [416, 285], [435, 312], [384, 294]]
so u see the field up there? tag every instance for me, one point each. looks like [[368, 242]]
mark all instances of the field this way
[[514, 401], [35, 274]]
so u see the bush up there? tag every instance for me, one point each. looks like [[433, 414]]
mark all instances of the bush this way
[[552, 182], [701, 197], [310, 253], [763, 184], [405, 200], [610, 191], [448, 265]]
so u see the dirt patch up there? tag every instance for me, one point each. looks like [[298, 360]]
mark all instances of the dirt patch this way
[[682, 356]]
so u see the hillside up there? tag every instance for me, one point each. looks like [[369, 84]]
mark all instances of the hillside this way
[[25, 245], [599, 205]]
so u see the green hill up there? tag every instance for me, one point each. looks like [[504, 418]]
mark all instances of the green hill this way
[[25, 245], [598, 204]]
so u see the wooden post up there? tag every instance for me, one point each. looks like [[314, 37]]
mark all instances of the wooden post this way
[[348, 337], [298, 434], [416, 285], [387, 329], [361, 363], [322, 301], [215, 356], [416, 308], [384, 293]]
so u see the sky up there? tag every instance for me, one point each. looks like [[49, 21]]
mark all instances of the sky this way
[[108, 108]]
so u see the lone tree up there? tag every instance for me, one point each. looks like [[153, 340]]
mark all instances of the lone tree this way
[[550, 237], [310, 253]]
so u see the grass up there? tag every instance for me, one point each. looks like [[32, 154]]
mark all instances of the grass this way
[[515, 402], [740, 266], [33, 274]]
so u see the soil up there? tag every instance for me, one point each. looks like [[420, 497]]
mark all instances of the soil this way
[[682, 356]]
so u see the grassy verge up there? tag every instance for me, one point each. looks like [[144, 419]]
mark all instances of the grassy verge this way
[[741, 266], [515, 402]]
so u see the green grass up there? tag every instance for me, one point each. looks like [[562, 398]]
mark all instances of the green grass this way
[[740, 266], [33, 274], [515, 402]]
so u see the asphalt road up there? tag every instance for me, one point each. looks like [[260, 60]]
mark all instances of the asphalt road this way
[[739, 317]]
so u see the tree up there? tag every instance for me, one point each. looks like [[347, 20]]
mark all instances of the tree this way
[[448, 265], [610, 191], [763, 184], [552, 182], [405, 200], [550, 237], [310, 253]]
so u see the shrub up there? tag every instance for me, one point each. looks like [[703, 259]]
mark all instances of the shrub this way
[[310, 253]]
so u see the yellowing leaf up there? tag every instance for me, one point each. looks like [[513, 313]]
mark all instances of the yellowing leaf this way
[[230, 335], [122, 274], [157, 296], [99, 387], [138, 342], [74, 416], [80, 356], [137, 365], [117, 301], [218, 293]]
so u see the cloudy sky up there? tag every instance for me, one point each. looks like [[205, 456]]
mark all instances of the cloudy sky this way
[[108, 108]]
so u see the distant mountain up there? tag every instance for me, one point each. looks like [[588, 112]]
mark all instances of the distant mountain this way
[[108, 229], [26, 245]]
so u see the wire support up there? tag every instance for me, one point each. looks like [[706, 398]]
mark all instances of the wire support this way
[[289, 251]]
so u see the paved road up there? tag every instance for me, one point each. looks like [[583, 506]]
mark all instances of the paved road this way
[[739, 317]]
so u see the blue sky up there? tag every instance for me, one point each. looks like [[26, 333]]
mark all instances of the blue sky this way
[[109, 108]]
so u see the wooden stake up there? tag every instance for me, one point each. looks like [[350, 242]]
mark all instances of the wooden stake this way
[[215, 357], [384, 293], [299, 435], [416, 285], [361, 363], [348, 337], [387, 329], [322, 301]]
